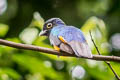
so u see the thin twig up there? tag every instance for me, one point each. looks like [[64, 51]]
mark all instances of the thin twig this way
[[108, 63], [53, 52]]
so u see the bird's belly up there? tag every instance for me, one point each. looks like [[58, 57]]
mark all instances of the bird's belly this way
[[54, 40]]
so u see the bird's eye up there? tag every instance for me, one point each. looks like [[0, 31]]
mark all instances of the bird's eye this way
[[49, 25]]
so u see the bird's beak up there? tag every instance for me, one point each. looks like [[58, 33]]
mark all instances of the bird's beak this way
[[43, 33]]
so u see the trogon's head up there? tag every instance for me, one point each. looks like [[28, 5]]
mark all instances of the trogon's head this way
[[49, 24]]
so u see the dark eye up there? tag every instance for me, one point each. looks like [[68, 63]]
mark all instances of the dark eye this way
[[49, 25]]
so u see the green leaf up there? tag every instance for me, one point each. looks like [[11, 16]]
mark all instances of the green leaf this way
[[29, 35], [37, 21], [8, 73], [3, 30], [35, 65]]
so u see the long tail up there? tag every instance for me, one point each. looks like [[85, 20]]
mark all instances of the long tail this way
[[81, 49]]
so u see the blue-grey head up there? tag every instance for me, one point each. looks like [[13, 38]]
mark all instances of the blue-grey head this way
[[49, 24]]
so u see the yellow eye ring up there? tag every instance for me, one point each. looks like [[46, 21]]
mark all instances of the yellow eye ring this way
[[49, 25]]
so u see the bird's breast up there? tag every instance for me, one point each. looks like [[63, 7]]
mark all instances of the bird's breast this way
[[56, 30]]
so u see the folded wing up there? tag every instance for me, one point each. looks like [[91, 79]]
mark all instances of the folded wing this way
[[76, 40]]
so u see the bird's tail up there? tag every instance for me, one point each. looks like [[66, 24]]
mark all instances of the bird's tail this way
[[81, 49]]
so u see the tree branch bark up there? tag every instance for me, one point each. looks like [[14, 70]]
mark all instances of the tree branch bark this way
[[51, 51]]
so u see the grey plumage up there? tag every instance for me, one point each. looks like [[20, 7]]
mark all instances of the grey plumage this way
[[54, 40], [66, 48], [81, 49]]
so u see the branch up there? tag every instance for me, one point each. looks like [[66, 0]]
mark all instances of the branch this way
[[108, 63], [51, 51]]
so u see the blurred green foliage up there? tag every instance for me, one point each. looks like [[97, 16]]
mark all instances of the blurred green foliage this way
[[4, 30], [21, 23]]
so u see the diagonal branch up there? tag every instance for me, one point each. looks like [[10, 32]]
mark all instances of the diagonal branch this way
[[108, 63], [51, 51]]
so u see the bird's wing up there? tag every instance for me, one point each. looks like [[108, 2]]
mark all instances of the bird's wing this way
[[76, 40], [56, 42], [66, 48]]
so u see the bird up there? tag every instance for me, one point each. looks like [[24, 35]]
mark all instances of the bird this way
[[66, 38]]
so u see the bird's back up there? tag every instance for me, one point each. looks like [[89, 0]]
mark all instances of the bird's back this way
[[71, 33]]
